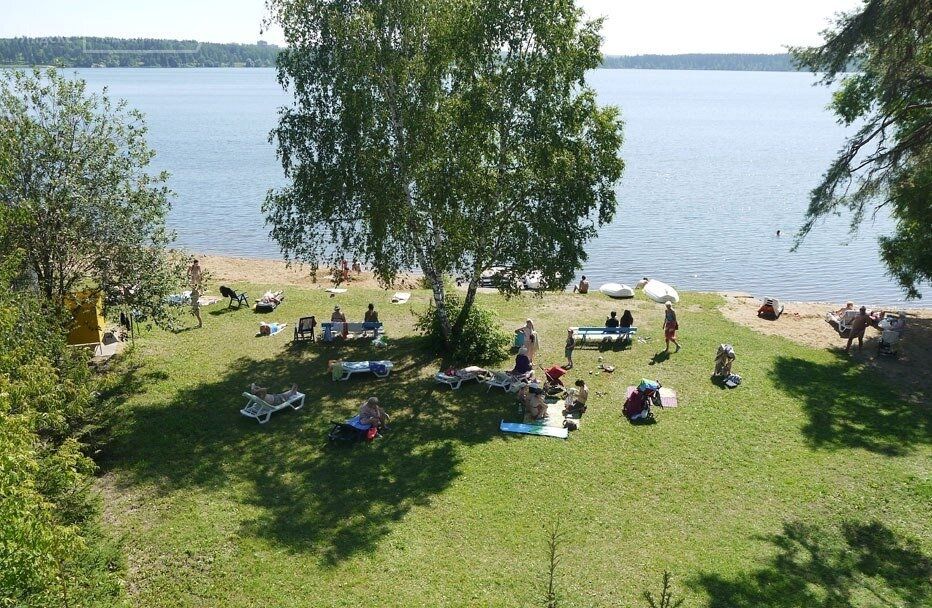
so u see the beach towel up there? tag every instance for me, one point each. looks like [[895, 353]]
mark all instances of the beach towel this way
[[207, 300], [533, 429], [667, 396], [554, 416], [401, 297]]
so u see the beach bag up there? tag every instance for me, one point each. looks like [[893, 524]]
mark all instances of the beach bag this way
[[733, 380], [634, 405]]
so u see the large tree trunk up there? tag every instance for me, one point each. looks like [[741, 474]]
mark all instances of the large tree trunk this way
[[467, 306], [440, 301]]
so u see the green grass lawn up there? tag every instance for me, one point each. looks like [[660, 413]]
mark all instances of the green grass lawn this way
[[809, 485]]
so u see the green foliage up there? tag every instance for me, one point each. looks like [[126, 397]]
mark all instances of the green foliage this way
[[886, 163], [85, 52], [52, 552], [80, 207], [482, 340], [446, 135], [666, 595]]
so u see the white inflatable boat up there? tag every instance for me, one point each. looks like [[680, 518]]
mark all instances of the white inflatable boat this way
[[659, 291], [532, 280], [617, 290]]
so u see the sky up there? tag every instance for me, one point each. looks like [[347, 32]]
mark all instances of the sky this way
[[632, 26]]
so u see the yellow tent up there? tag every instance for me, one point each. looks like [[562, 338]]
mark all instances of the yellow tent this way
[[87, 309]]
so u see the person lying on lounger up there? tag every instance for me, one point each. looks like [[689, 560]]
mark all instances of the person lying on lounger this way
[[371, 413], [270, 297], [272, 398]]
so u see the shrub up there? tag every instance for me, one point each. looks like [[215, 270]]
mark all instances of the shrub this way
[[481, 340]]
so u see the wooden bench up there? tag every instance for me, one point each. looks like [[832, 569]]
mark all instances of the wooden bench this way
[[353, 330], [582, 335]]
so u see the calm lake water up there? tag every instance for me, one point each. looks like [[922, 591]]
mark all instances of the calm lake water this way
[[717, 162]]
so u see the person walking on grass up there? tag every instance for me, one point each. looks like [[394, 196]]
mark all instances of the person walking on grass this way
[[670, 326], [568, 350]]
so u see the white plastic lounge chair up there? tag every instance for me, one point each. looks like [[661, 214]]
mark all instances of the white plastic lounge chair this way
[[381, 369], [457, 379], [262, 410], [453, 381], [506, 381]]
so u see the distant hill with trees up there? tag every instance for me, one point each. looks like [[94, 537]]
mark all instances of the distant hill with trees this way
[[780, 62], [81, 52]]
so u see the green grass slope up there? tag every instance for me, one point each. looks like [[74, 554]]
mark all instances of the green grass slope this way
[[807, 486]]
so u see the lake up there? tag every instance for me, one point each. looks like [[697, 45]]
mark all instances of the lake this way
[[717, 162]]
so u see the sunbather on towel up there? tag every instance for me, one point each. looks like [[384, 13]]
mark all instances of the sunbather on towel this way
[[272, 398], [371, 413], [270, 297], [270, 329]]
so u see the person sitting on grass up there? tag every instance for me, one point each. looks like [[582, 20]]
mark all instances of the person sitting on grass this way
[[858, 326], [532, 402], [583, 286], [272, 398], [371, 413], [612, 320], [522, 363], [576, 403]]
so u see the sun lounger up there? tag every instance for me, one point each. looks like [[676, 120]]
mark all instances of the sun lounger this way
[[239, 298], [342, 370], [456, 380], [506, 381], [262, 410], [305, 329], [585, 335]]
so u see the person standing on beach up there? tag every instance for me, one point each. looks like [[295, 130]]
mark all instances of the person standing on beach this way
[[670, 325], [195, 275], [858, 326]]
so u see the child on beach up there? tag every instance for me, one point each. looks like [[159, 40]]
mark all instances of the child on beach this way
[[670, 326], [568, 350]]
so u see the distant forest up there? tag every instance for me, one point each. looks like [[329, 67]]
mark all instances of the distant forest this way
[[702, 61], [77, 52]]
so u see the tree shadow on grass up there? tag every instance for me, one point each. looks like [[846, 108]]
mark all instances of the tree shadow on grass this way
[[848, 408], [862, 564], [334, 500]]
